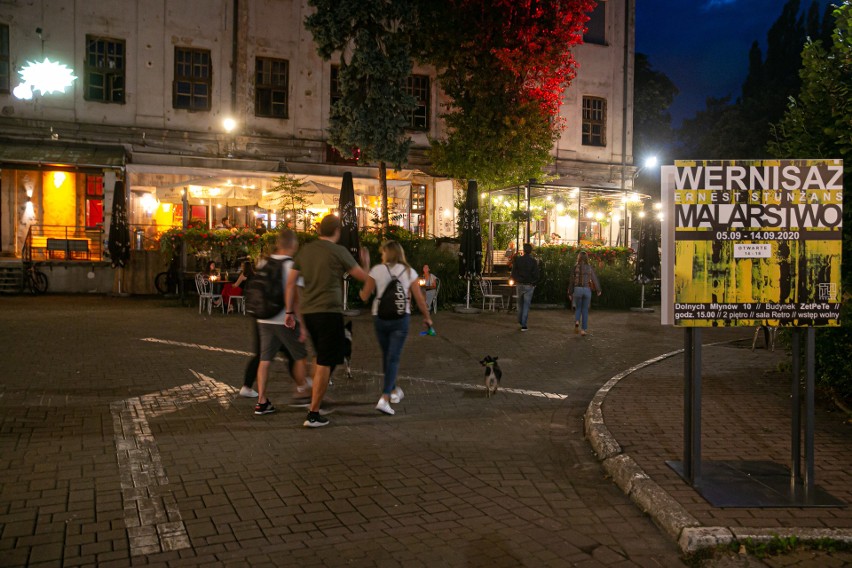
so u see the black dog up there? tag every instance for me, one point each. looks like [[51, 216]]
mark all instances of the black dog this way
[[493, 374]]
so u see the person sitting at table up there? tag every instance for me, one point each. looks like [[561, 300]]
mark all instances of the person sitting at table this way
[[235, 288], [259, 227], [210, 269], [429, 285]]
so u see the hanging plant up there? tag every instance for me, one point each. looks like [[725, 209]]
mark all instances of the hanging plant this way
[[600, 204], [520, 216]]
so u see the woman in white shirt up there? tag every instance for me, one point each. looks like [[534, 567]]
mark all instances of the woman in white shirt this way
[[392, 333]]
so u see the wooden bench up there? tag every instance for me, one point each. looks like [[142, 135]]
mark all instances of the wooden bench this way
[[67, 246]]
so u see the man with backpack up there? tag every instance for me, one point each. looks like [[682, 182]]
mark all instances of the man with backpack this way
[[322, 264], [265, 300]]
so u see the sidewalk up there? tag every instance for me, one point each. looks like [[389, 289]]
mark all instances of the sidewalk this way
[[123, 443], [746, 416]]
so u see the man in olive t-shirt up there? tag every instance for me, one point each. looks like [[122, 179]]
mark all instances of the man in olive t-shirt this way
[[322, 265]]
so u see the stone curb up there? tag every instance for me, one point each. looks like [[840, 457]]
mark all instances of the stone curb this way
[[666, 512]]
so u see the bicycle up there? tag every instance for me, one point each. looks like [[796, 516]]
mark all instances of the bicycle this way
[[167, 283], [34, 279]]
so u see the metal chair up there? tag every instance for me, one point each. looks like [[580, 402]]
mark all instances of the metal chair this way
[[489, 296], [434, 306], [241, 304], [768, 335], [205, 294]]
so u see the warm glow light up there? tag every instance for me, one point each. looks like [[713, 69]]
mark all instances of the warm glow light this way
[[641, 214], [239, 208], [589, 215], [46, 77], [219, 206], [29, 211], [167, 207], [229, 124], [651, 162], [550, 198], [660, 216], [560, 207], [658, 206], [58, 179], [511, 282], [149, 203], [483, 195], [598, 216], [202, 202], [214, 191], [634, 197], [616, 218]]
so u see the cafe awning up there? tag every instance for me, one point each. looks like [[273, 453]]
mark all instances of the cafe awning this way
[[52, 154]]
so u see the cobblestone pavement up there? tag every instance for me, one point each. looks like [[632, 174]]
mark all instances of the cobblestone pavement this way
[[122, 443]]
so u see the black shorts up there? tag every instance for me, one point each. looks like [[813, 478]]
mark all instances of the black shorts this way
[[328, 336]]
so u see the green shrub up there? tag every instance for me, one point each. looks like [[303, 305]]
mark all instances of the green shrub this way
[[833, 363]]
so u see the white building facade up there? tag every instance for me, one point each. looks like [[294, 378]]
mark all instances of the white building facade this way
[[156, 80]]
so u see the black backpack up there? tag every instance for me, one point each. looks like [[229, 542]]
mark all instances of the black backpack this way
[[263, 291], [393, 300]]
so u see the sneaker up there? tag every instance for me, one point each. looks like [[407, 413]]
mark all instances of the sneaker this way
[[248, 392], [384, 406], [397, 395], [315, 420], [523, 328], [265, 408]]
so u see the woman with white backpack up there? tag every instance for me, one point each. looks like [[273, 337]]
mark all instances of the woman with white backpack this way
[[395, 283]]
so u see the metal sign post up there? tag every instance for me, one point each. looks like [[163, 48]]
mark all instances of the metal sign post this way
[[692, 406]]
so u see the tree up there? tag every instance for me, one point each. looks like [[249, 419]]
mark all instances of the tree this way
[[727, 130], [652, 123], [505, 65], [374, 39], [288, 194], [818, 124]]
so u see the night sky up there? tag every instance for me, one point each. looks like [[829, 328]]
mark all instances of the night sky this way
[[703, 45]]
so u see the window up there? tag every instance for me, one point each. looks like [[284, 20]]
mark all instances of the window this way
[[193, 79], [418, 87], [5, 68], [94, 202], [596, 26], [418, 198], [270, 87], [417, 223], [334, 85], [104, 67], [594, 121]]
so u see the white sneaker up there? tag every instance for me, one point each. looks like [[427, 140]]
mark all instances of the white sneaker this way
[[397, 395], [248, 392], [384, 406]]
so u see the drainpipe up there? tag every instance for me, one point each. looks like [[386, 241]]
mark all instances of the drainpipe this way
[[625, 86], [234, 44]]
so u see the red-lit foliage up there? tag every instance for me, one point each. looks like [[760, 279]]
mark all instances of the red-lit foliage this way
[[531, 40]]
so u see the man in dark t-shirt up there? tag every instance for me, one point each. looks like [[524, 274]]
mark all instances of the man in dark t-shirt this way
[[322, 265]]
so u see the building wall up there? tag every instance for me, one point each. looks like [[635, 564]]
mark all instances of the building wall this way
[[147, 124]]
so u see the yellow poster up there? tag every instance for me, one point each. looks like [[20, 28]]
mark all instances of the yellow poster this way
[[757, 242]]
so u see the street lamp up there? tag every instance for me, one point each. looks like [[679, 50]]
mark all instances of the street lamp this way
[[229, 124], [649, 163]]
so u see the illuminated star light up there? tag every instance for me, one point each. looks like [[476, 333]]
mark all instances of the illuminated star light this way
[[44, 77]]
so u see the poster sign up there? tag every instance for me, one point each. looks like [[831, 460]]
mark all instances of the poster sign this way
[[753, 242]]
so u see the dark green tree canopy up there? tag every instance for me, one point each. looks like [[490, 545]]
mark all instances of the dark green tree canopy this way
[[373, 38]]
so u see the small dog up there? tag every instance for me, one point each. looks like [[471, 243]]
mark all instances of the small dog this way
[[493, 374]]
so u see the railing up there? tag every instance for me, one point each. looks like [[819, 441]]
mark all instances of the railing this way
[[58, 242]]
